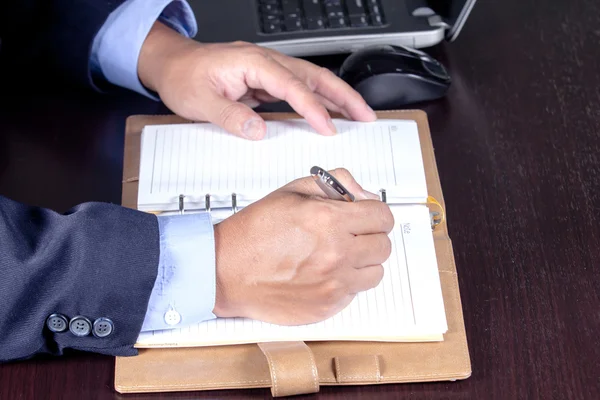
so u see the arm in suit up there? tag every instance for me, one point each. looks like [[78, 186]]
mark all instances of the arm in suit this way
[[98, 261]]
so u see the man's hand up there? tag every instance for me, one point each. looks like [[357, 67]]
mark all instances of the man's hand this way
[[295, 257], [220, 83]]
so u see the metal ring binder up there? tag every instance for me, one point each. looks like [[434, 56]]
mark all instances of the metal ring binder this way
[[207, 202], [181, 204], [234, 203], [383, 195]]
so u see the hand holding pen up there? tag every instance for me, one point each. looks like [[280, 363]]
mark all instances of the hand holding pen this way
[[303, 255]]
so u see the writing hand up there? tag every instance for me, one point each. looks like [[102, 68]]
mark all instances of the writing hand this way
[[296, 257]]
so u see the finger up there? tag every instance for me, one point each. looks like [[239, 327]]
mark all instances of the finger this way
[[235, 117], [331, 106], [264, 97], [280, 82], [365, 278], [369, 250], [367, 217], [328, 85]]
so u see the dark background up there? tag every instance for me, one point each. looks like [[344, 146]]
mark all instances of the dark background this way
[[517, 144]]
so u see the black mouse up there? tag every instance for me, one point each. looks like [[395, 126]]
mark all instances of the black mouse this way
[[390, 77]]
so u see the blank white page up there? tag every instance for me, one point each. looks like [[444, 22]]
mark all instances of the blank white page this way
[[199, 159], [407, 305]]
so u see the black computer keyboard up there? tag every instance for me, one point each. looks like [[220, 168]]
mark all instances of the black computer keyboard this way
[[302, 15]]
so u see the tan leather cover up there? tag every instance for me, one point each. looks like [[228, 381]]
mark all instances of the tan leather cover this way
[[289, 368]]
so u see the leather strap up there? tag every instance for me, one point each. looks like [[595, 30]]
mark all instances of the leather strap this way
[[358, 369], [292, 366]]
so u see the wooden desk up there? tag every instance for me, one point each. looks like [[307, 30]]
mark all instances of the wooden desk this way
[[518, 147]]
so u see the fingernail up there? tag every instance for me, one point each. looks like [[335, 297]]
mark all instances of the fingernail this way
[[253, 129], [370, 110], [331, 126]]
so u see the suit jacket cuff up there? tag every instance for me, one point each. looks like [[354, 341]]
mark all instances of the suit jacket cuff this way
[[116, 48]]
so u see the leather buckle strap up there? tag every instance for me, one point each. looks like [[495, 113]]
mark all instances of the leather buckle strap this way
[[358, 369], [292, 366]]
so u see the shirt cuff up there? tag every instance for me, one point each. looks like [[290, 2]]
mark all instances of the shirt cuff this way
[[185, 288], [116, 47]]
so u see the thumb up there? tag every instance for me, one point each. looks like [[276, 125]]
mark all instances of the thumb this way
[[235, 117]]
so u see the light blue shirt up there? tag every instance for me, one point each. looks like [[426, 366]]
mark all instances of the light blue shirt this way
[[184, 291]]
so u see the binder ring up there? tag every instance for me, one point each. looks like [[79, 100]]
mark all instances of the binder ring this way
[[234, 202], [181, 204], [207, 202], [207, 198], [383, 195]]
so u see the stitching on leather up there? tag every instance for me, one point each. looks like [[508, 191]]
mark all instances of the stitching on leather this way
[[378, 373], [313, 368], [207, 384], [272, 368]]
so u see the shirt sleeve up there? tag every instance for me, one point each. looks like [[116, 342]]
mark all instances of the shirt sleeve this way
[[116, 47], [185, 287]]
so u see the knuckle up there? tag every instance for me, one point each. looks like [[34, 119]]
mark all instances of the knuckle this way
[[385, 214], [386, 247], [343, 174], [324, 213], [331, 259], [378, 275], [322, 74], [241, 43], [295, 84]]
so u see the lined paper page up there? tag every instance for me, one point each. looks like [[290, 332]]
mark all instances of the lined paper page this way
[[200, 159], [407, 304]]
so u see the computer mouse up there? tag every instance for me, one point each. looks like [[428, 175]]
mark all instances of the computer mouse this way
[[390, 77]]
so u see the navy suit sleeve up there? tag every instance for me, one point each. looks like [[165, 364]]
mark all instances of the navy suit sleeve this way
[[96, 261], [42, 38]]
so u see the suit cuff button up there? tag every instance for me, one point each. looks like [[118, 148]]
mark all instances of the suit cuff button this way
[[103, 327], [57, 323], [80, 326]]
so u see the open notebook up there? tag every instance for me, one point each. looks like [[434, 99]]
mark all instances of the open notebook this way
[[213, 169]]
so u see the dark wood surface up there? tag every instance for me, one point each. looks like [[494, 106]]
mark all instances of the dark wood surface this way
[[518, 148]]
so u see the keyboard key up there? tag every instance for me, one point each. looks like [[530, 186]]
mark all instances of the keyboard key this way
[[296, 15], [377, 20], [359, 21], [290, 7], [355, 7], [374, 9], [312, 8], [292, 24], [272, 27], [269, 9], [334, 8], [337, 23], [315, 23]]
